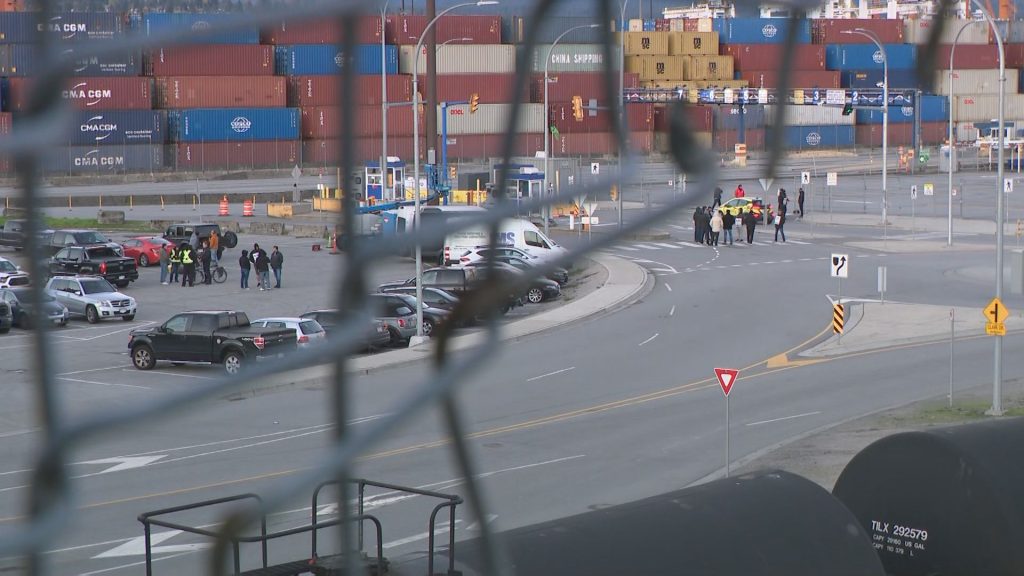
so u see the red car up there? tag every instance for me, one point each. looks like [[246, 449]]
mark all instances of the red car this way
[[145, 249]]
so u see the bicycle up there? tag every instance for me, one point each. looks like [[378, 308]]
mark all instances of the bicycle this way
[[219, 273]]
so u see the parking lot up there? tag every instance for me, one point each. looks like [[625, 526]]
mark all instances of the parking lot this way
[[92, 363]]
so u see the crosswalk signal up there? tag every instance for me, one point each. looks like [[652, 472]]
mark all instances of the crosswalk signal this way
[[615, 192], [577, 108], [847, 109], [474, 102]]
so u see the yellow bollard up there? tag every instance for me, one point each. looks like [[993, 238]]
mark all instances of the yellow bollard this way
[[161, 203], [69, 202], [193, 202], [131, 202]]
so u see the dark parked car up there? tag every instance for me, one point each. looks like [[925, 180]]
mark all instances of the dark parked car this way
[[95, 260], [25, 314], [208, 337], [539, 289], [60, 239], [560, 275], [12, 234], [178, 233], [375, 336], [432, 317], [456, 280], [6, 317]]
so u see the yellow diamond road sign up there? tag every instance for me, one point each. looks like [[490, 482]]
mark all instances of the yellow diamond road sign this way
[[996, 312]]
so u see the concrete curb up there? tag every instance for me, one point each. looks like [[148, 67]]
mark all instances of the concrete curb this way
[[626, 282]]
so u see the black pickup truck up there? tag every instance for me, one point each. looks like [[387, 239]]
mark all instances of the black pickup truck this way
[[12, 234], [95, 260], [208, 337], [178, 233]]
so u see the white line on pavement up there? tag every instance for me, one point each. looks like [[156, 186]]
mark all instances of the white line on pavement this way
[[570, 368], [664, 245], [102, 383], [783, 418], [672, 312], [667, 287], [649, 339], [646, 247], [94, 370], [626, 248]]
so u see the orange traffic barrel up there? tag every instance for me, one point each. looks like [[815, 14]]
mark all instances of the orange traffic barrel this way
[[223, 206], [247, 209]]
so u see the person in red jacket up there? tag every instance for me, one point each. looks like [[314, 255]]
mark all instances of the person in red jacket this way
[[739, 193]]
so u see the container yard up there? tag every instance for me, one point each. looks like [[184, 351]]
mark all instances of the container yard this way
[[278, 85]]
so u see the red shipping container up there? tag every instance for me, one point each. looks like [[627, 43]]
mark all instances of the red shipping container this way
[[218, 60], [324, 122], [109, 93], [726, 140], [639, 118], [797, 78], [902, 134], [305, 91], [491, 88], [204, 156], [221, 92], [320, 31], [968, 57], [1014, 55], [700, 118], [327, 153], [405, 29], [5, 128], [587, 85], [830, 31], [769, 56], [600, 144]]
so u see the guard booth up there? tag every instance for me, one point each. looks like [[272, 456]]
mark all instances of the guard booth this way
[[524, 182], [385, 185]]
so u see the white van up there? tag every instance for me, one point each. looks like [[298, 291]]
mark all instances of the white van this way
[[514, 232]]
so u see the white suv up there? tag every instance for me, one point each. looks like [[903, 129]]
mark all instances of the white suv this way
[[11, 276], [479, 253], [307, 331]]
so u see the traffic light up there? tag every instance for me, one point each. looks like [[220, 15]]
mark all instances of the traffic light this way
[[452, 174], [615, 192], [474, 102], [577, 108], [847, 109]]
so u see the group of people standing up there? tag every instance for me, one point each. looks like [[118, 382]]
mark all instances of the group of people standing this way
[[263, 263], [710, 222]]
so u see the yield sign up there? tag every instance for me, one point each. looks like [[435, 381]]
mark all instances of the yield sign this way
[[726, 378]]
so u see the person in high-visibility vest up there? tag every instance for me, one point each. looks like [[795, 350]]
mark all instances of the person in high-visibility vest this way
[[189, 262], [175, 264]]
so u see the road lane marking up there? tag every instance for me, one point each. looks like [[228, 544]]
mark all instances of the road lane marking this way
[[102, 383], [94, 370], [672, 311], [570, 368], [132, 565], [649, 339], [440, 528], [667, 287], [784, 418], [630, 249], [665, 245], [175, 374]]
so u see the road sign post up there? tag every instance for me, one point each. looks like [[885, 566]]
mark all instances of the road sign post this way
[[726, 378], [913, 201], [839, 268], [831, 180]]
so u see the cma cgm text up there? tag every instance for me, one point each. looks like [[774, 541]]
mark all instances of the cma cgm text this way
[[99, 161], [58, 27], [77, 93], [98, 127]]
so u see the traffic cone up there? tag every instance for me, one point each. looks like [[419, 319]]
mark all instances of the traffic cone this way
[[247, 209], [223, 206]]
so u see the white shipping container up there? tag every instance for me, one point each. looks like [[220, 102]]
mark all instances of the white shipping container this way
[[462, 59], [492, 119], [975, 82], [810, 116], [636, 25], [573, 58], [985, 107], [965, 132], [917, 32]]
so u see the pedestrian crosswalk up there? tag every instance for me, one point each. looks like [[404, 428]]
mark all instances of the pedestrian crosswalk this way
[[681, 245]]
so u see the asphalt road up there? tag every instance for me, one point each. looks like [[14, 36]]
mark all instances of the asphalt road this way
[[608, 410]]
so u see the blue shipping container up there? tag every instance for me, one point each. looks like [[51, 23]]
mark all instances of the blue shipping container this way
[[320, 59], [128, 158], [183, 23], [118, 127], [728, 117], [871, 79], [869, 57], [21, 27], [805, 137], [759, 30], [933, 109], [233, 124]]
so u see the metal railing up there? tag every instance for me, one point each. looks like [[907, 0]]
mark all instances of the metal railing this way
[[51, 504]]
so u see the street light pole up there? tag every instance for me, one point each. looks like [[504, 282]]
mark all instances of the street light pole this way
[[383, 102], [885, 123], [952, 137], [622, 98], [416, 156], [547, 120]]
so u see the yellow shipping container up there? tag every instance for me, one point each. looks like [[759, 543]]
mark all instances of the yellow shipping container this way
[[710, 68], [646, 43], [657, 67], [693, 43]]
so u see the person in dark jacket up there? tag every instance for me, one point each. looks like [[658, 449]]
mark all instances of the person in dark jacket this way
[[276, 263], [698, 234], [706, 220], [750, 221], [800, 201], [718, 198], [780, 223], [246, 267], [259, 260], [728, 221], [205, 258]]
